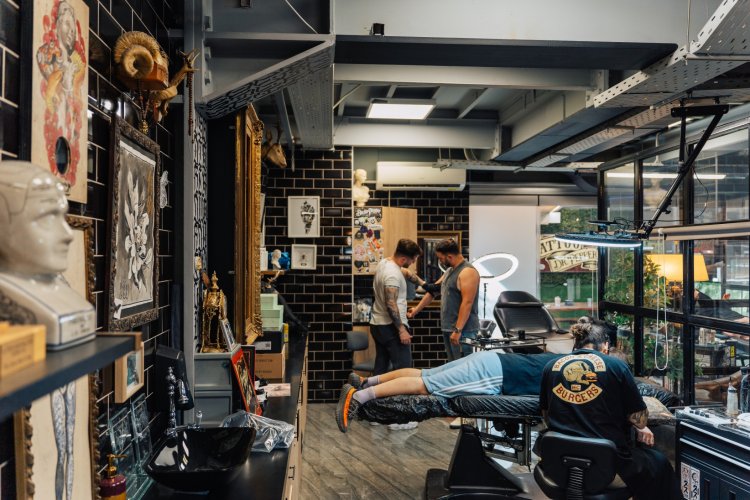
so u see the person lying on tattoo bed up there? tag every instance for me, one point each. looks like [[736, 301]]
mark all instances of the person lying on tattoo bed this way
[[480, 373]]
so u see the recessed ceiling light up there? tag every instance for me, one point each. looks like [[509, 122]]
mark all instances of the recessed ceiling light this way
[[400, 109]]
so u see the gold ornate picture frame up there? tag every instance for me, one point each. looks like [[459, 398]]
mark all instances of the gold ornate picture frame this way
[[248, 140]]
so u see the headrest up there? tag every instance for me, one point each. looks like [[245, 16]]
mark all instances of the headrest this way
[[514, 298]]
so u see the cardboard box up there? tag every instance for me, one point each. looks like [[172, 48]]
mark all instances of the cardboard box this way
[[20, 347], [271, 366], [270, 342]]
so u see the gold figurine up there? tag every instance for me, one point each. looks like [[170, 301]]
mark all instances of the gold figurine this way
[[214, 311]]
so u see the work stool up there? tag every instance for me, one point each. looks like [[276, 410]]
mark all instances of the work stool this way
[[578, 468]]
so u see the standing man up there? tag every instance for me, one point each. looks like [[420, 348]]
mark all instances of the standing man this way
[[459, 299], [389, 325]]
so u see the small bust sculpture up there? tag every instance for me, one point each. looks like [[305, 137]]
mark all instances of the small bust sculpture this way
[[34, 253], [360, 192]]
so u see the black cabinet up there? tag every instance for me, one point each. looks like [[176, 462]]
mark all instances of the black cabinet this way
[[713, 462]]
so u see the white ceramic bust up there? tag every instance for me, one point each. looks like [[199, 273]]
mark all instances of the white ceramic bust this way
[[360, 192], [34, 253]]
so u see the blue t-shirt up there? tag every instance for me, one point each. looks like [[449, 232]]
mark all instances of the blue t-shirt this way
[[590, 394], [522, 373]]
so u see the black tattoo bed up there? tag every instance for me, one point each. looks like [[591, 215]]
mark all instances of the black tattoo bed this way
[[472, 469]]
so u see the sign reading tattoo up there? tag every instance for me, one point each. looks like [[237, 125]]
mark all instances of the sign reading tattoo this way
[[580, 378]]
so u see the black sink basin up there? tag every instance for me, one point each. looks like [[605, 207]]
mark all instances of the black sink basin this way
[[200, 459]]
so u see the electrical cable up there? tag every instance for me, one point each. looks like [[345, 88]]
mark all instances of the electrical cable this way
[[300, 16]]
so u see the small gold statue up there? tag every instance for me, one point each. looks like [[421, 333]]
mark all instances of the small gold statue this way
[[214, 311]]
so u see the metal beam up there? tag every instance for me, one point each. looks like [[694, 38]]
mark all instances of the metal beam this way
[[515, 78], [470, 100]]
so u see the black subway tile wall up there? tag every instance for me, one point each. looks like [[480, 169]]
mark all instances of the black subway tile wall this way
[[436, 211], [108, 19], [323, 298]]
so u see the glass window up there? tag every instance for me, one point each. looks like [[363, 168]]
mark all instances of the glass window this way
[[619, 284], [721, 184], [567, 276], [659, 172], [624, 342], [619, 186], [721, 278], [717, 355], [662, 275], [662, 354]]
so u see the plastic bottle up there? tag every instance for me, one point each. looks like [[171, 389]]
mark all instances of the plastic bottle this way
[[745, 390], [732, 409], [114, 485]]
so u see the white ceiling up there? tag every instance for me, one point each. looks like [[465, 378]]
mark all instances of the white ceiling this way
[[543, 83]]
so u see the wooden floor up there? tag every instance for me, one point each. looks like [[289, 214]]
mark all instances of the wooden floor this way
[[373, 462], [370, 462]]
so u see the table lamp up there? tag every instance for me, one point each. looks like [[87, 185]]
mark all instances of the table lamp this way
[[670, 268]]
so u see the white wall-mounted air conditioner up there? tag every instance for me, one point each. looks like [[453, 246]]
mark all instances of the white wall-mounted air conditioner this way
[[417, 175]]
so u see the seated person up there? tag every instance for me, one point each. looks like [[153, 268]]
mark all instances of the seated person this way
[[589, 394], [478, 373]]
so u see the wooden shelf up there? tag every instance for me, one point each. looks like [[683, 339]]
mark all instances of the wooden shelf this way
[[272, 273], [60, 367]]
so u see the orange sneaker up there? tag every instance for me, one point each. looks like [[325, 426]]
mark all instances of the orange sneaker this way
[[346, 409]]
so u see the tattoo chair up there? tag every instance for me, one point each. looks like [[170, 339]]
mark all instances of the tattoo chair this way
[[578, 468], [517, 310]]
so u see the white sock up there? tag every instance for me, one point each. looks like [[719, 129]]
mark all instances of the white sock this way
[[364, 395], [370, 381]]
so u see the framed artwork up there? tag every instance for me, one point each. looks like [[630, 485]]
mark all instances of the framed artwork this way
[[249, 351], [247, 227], [57, 444], [59, 90], [133, 244], [244, 380], [80, 273], [304, 256], [303, 216], [128, 375], [226, 330], [428, 267]]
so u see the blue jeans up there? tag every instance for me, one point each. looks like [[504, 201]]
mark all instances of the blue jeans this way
[[455, 352]]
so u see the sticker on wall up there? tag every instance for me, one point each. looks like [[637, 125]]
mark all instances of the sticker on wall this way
[[59, 83]]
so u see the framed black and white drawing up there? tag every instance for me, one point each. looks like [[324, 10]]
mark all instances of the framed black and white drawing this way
[[303, 217], [129, 375], [303, 256], [133, 243]]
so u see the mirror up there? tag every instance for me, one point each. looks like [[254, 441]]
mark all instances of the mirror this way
[[249, 136]]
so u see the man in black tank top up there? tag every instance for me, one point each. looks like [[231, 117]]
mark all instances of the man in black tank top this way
[[459, 299]]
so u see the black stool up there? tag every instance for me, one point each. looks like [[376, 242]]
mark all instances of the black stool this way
[[578, 468]]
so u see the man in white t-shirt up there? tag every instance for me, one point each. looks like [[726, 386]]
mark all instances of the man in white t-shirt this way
[[389, 326]]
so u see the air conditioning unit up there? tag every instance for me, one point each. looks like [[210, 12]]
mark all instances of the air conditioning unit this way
[[415, 175]]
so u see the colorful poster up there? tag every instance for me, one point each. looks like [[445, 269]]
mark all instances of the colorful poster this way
[[59, 82]]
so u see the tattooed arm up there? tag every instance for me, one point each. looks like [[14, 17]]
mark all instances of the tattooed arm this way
[[410, 276], [639, 419], [391, 303]]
